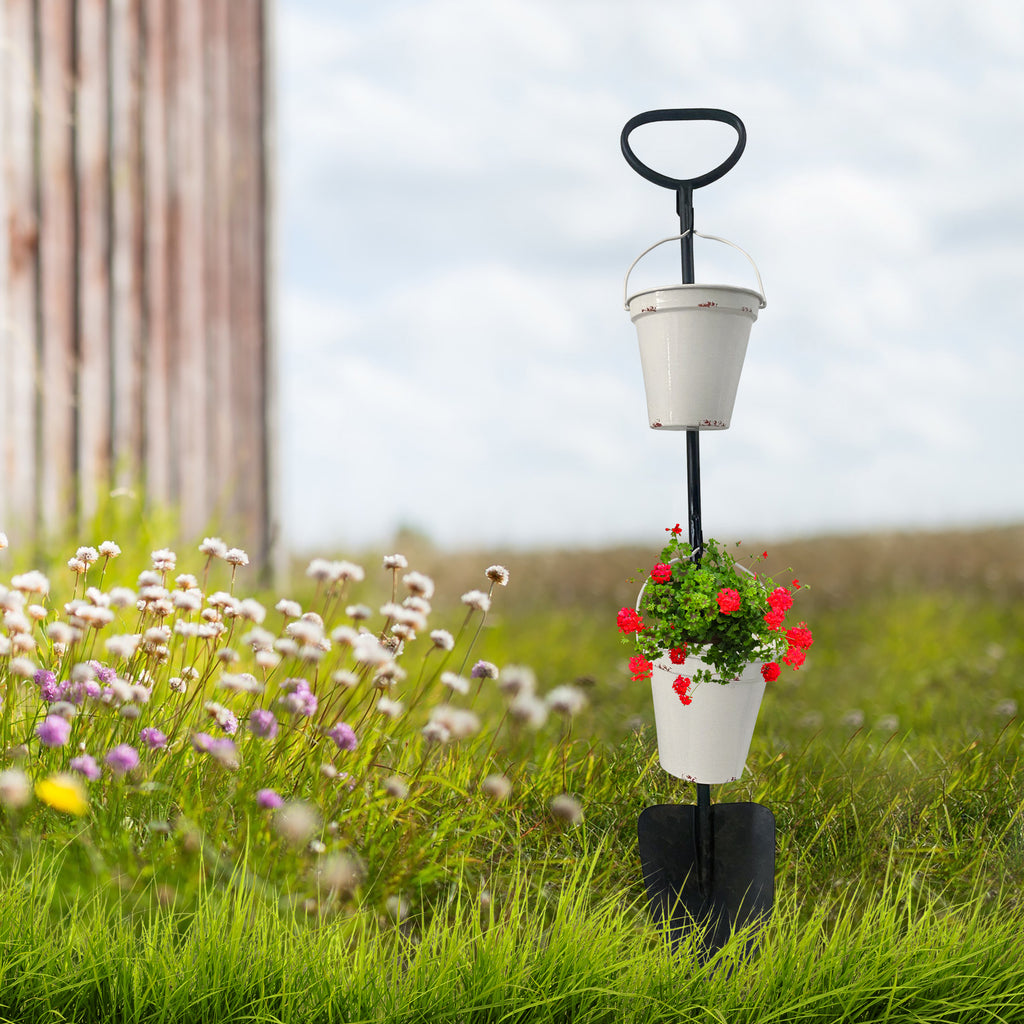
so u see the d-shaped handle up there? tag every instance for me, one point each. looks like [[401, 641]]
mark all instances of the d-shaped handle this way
[[687, 114]]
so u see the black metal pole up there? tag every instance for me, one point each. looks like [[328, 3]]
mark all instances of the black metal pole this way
[[705, 852]]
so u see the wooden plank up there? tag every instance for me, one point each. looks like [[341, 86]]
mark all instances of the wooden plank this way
[[93, 379], [218, 195], [188, 367], [272, 553], [156, 274], [127, 242], [247, 348], [19, 326], [6, 340], [56, 446]]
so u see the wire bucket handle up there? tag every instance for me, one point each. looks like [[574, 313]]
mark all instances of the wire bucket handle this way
[[698, 234]]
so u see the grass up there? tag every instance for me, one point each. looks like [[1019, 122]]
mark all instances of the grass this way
[[891, 762]]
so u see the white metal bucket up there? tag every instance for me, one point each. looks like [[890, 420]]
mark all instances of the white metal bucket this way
[[693, 340], [706, 741]]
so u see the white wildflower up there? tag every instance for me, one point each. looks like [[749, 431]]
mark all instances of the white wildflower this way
[[529, 710], [267, 659], [516, 679], [186, 581], [3, 540], [87, 555], [442, 639], [566, 700], [37, 612], [395, 562], [148, 578], [497, 574], [187, 600], [386, 706], [122, 597], [236, 556], [31, 582], [251, 609], [108, 549], [417, 604], [460, 722], [303, 632], [259, 639], [418, 584], [497, 787], [358, 612], [15, 785], [164, 560], [477, 600], [62, 633], [77, 566], [566, 808], [435, 732], [396, 787], [289, 609], [214, 547], [455, 682], [320, 570], [296, 822], [343, 677], [345, 635]]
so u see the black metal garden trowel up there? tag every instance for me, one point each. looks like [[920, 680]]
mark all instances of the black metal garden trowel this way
[[708, 869]]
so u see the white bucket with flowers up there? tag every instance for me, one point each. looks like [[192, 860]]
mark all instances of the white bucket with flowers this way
[[709, 637]]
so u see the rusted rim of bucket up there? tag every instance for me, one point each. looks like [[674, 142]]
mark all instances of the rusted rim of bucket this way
[[626, 297], [727, 298]]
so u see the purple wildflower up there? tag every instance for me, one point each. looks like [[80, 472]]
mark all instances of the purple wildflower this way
[[87, 766], [47, 683], [202, 741], [344, 736], [484, 670], [104, 673], [123, 758], [53, 731], [301, 701], [269, 799], [263, 724], [153, 738]]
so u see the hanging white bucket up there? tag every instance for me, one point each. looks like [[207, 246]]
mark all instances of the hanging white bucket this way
[[707, 740], [693, 339]]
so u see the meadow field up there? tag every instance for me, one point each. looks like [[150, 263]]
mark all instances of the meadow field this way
[[282, 818]]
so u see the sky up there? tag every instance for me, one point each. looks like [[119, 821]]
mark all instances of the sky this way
[[455, 220]]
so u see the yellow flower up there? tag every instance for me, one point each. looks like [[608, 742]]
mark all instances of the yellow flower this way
[[63, 793]]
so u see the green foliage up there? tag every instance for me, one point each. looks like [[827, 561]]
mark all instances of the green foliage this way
[[712, 607]]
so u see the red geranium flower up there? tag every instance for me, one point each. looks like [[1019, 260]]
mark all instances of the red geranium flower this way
[[674, 530], [780, 600], [677, 655], [770, 670], [728, 601], [800, 636], [661, 573], [774, 619], [629, 621], [794, 657], [640, 667], [681, 685]]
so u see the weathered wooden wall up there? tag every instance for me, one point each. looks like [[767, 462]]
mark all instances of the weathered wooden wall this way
[[136, 347]]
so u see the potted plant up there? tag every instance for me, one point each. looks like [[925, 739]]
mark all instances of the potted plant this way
[[710, 633]]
